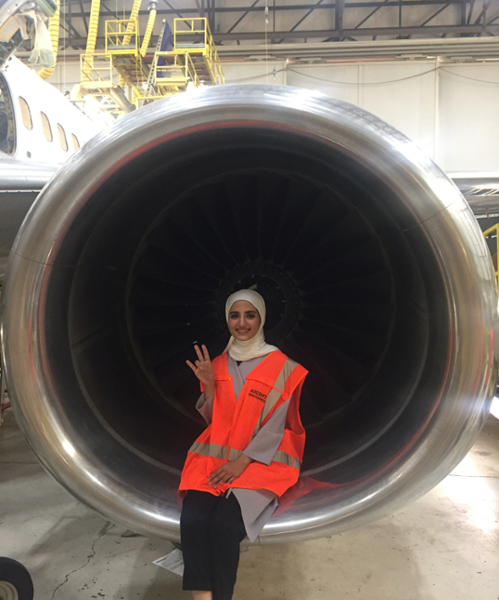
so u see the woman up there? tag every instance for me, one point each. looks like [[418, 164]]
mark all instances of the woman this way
[[249, 454]]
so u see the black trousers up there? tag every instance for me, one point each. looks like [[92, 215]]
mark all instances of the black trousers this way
[[211, 529]]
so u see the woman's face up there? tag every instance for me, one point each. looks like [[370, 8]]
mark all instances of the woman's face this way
[[244, 320]]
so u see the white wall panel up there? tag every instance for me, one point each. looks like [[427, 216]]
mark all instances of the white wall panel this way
[[451, 112], [469, 118], [273, 73], [403, 95], [338, 81]]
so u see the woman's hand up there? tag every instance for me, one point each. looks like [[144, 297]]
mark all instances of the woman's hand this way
[[203, 370], [229, 471]]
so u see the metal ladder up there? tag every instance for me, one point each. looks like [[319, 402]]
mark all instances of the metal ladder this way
[[150, 86]]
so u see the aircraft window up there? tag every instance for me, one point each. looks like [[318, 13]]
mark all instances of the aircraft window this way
[[62, 137], [76, 143], [47, 130], [25, 113], [7, 122]]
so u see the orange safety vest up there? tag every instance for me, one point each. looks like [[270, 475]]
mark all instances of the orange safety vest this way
[[235, 424]]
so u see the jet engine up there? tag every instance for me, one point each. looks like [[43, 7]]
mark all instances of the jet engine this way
[[374, 271]]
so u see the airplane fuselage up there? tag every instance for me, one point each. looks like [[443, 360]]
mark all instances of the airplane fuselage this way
[[39, 130]]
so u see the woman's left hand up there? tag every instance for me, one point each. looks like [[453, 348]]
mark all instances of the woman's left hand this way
[[229, 471]]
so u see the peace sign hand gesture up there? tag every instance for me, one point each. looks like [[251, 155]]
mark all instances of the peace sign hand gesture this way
[[203, 370]]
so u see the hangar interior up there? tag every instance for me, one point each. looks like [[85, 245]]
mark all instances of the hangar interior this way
[[427, 68]]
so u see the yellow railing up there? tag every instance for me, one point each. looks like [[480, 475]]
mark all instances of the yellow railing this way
[[179, 71], [194, 36], [215, 67], [486, 234], [96, 68], [191, 34], [122, 43], [120, 31]]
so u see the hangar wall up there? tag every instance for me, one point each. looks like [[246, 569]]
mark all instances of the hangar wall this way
[[449, 110]]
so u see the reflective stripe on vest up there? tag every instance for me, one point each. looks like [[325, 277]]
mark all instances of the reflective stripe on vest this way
[[213, 450], [223, 452], [275, 393]]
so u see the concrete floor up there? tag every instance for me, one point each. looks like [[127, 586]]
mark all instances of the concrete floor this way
[[444, 546]]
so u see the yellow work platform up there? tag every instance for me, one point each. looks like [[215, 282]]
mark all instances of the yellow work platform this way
[[97, 80], [193, 37], [122, 44], [192, 61]]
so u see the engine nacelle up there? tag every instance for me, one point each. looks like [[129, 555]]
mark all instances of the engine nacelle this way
[[375, 274]]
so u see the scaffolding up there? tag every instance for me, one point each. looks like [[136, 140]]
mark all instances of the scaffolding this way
[[123, 79], [97, 80], [193, 61], [122, 45], [196, 40]]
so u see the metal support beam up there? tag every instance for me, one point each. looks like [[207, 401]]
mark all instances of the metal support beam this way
[[470, 12], [434, 15], [307, 15], [375, 4], [338, 17], [200, 8], [245, 15], [382, 5], [469, 19], [85, 22], [482, 12], [213, 17], [105, 7], [72, 31], [275, 37], [174, 10]]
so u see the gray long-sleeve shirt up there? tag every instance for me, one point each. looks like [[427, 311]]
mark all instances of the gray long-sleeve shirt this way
[[257, 506]]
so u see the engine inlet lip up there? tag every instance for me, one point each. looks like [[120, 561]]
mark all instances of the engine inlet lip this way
[[445, 220]]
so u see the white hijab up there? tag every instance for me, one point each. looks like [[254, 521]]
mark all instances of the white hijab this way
[[256, 346]]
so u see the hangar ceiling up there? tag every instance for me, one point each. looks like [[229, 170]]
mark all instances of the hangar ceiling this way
[[241, 27]]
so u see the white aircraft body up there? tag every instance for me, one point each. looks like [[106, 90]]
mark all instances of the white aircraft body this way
[[39, 130]]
